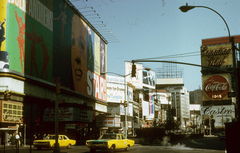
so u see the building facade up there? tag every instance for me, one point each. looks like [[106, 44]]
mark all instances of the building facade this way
[[218, 63], [179, 97], [45, 43]]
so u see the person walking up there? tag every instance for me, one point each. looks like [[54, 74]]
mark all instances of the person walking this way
[[21, 139], [17, 138]]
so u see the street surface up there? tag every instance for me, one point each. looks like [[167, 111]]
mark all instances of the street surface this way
[[198, 145]]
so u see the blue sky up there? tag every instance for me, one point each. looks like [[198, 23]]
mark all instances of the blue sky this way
[[156, 28]]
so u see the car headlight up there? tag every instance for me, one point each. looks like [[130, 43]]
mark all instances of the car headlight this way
[[105, 143], [89, 143]]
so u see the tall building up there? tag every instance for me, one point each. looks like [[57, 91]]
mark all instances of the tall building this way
[[47, 45], [196, 97]]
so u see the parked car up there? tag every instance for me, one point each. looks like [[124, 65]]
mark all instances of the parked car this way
[[110, 142], [49, 142]]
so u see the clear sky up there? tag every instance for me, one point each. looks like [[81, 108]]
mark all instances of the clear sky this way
[[157, 28]]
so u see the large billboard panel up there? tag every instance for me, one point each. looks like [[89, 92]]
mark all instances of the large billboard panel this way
[[216, 55], [148, 77], [3, 17], [49, 41], [216, 87], [32, 52], [221, 114], [115, 93]]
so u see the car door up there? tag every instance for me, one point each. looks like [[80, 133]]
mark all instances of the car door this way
[[124, 142], [121, 141], [65, 141], [60, 141]]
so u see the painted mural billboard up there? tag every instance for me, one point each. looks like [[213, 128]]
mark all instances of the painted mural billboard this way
[[216, 55], [49, 41], [221, 114], [216, 87]]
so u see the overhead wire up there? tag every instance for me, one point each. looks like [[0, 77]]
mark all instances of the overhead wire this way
[[189, 54]]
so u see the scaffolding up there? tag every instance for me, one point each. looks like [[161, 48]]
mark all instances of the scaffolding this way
[[169, 70]]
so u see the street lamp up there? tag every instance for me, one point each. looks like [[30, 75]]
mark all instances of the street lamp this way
[[231, 40], [125, 97]]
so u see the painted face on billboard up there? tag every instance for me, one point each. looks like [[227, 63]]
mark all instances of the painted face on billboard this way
[[78, 55]]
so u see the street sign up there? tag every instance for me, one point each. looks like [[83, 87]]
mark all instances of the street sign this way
[[232, 94]]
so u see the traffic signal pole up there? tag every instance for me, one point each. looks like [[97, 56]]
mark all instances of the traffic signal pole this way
[[56, 148]]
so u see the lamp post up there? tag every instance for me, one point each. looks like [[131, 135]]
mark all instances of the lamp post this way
[[125, 96], [231, 40]]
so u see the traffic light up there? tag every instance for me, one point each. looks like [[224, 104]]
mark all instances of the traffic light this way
[[133, 70], [7, 95], [125, 103], [58, 88]]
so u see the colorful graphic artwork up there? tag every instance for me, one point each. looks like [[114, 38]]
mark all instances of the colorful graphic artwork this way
[[51, 42]]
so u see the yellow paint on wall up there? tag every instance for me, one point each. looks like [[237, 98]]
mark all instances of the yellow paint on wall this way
[[3, 16]]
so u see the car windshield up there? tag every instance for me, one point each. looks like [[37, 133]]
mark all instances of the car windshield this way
[[108, 136]]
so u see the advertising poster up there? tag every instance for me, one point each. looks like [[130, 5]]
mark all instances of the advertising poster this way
[[145, 108], [3, 17], [216, 87], [79, 55], [97, 54], [220, 114], [108, 122], [151, 106], [103, 55], [216, 55], [52, 43], [115, 93], [32, 53], [148, 78]]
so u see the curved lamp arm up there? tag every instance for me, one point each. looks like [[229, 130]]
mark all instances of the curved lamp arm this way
[[187, 8]]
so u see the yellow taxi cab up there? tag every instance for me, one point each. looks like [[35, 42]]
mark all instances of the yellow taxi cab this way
[[49, 142], [110, 142]]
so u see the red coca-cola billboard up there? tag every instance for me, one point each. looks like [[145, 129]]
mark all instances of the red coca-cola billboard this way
[[216, 87]]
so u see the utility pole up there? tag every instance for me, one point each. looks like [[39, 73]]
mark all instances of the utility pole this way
[[56, 146]]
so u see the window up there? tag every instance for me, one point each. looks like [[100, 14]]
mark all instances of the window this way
[[12, 112]]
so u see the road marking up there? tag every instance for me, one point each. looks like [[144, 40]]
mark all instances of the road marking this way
[[197, 142]]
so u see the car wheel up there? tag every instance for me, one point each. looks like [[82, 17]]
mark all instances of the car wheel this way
[[92, 150], [69, 146], [111, 150], [39, 148], [127, 148], [53, 146]]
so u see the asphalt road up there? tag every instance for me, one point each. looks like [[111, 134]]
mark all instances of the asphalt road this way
[[198, 145]]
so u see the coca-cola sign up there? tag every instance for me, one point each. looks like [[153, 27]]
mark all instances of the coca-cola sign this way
[[216, 87]]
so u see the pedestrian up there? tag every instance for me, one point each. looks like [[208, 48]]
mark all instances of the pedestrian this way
[[44, 136], [17, 139], [21, 139]]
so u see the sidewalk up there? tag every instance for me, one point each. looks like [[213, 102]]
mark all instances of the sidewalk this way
[[28, 146], [14, 146], [210, 136]]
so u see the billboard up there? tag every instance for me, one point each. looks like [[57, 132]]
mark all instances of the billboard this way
[[216, 55], [216, 87], [221, 114], [115, 92], [151, 106], [148, 77], [55, 45], [108, 122]]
